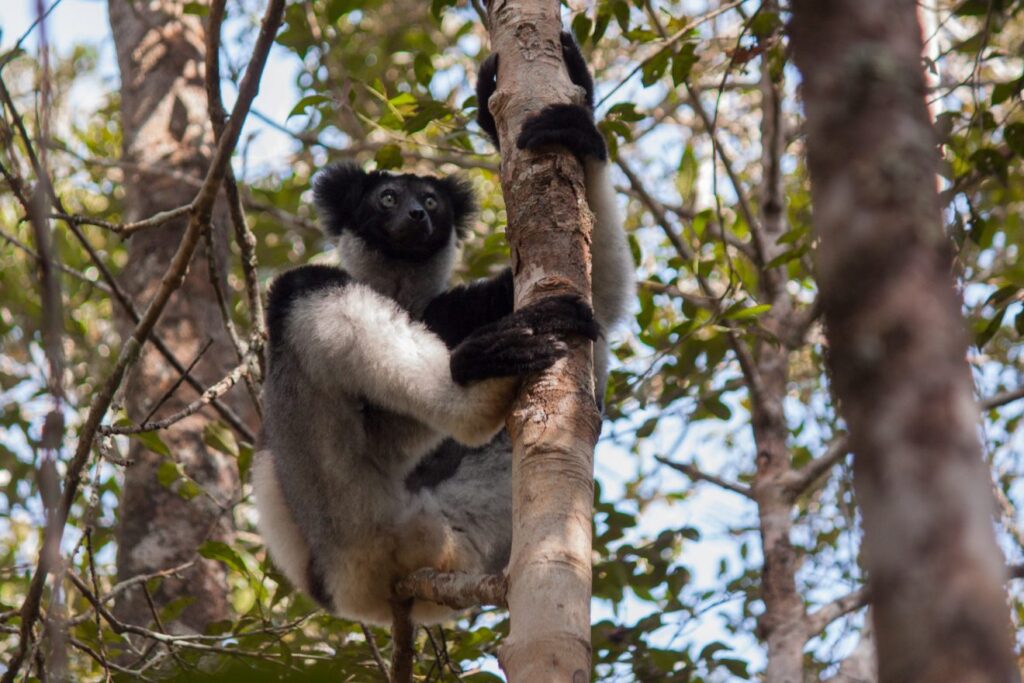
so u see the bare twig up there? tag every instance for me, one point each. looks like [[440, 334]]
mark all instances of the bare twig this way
[[696, 474], [1000, 400], [826, 614], [798, 481], [371, 642], [670, 41], [454, 589], [177, 383], [208, 396], [127, 229], [243, 235], [132, 347], [102, 286]]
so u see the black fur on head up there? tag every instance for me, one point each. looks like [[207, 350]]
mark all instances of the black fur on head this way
[[404, 216]]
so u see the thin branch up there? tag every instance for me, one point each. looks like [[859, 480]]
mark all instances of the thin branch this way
[[670, 42], [127, 229], [131, 349], [758, 242], [243, 235], [696, 474], [208, 396], [403, 645], [177, 383], [375, 651], [826, 614], [60, 266], [797, 482], [1000, 400], [705, 302], [454, 589]]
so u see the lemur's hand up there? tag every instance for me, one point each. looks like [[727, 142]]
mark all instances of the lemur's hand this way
[[579, 74], [568, 125], [529, 340]]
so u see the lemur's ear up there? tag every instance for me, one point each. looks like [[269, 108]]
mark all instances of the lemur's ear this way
[[462, 200], [337, 192]]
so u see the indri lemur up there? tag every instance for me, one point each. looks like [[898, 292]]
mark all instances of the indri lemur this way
[[386, 391]]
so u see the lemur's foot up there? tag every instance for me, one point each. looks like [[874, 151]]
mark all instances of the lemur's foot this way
[[577, 67], [568, 125]]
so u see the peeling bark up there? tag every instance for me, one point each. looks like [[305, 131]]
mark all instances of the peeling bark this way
[[555, 422], [897, 347], [164, 123]]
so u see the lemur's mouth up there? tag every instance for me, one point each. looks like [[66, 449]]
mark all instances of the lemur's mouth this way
[[410, 232]]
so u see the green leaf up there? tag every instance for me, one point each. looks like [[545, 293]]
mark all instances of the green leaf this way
[[737, 667], [1004, 91], [1014, 136], [388, 156], [686, 176], [655, 67], [989, 330], [990, 162], [764, 24], [196, 8], [217, 436], [683, 62], [307, 101], [222, 552], [747, 313], [167, 473], [423, 68], [153, 442], [581, 25], [621, 11], [245, 454]]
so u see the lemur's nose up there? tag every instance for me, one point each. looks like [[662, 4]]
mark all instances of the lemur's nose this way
[[418, 215]]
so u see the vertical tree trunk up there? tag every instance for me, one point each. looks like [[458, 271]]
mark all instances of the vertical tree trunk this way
[[165, 126], [783, 622], [897, 346], [555, 423]]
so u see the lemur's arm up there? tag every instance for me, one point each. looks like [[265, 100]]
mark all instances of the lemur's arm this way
[[347, 337], [456, 313]]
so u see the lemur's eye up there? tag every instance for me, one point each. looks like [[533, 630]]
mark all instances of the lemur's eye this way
[[388, 199], [430, 203]]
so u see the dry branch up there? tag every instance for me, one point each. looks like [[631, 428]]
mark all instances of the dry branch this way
[[696, 474], [454, 589], [826, 614]]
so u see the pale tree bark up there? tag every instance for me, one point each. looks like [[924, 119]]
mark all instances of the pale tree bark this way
[[897, 346], [165, 125], [555, 422], [783, 624]]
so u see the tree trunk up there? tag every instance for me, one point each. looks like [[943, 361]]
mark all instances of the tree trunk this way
[[555, 422], [783, 623], [897, 347], [165, 126]]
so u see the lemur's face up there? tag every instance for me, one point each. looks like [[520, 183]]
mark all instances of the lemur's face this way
[[406, 216]]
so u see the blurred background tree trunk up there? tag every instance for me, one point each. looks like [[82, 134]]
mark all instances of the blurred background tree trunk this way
[[898, 346], [167, 138]]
